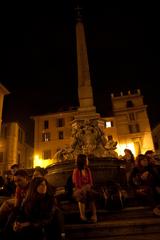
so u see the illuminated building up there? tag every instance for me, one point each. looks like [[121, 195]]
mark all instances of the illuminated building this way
[[129, 126], [156, 138], [13, 147], [131, 123]]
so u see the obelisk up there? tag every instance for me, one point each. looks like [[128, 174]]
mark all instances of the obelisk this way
[[85, 93], [87, 127]]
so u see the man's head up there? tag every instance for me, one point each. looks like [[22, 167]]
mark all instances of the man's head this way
[[39, 172], [21, 178], [149, 153], [14, 168]]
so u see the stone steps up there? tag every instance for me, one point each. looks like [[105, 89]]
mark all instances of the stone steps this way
[[131, 223]]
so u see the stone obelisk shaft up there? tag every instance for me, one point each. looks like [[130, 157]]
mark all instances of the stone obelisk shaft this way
[[85, 92]]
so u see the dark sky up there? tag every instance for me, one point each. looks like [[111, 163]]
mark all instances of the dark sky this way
[[38, 59]]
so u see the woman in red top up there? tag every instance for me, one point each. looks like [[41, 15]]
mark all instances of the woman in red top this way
[[82, 179]]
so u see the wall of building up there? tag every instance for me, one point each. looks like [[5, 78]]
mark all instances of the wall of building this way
[[156, 138], [136, 137], [133, 127], [53, 142], [13, 147]]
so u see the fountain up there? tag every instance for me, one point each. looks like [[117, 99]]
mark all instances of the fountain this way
[[87, 130]]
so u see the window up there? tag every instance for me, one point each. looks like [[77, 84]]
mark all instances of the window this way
[[46, 124], [60, 135], [46, 137], [60, 122], [71, 118], [1, 156], [129, 104], [133, 128], [47, 154], [156, 145], [4, 132], [19, 159], [131, 116], [20, 135], [109, 124]]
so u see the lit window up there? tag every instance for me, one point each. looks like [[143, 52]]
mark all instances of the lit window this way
[[46, 137], [109, 124]]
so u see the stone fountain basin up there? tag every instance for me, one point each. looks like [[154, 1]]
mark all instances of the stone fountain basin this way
[[103, 170]]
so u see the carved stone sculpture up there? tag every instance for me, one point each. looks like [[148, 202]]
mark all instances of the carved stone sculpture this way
[[89, 139]]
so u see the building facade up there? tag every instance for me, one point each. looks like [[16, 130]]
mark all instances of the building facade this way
[[129, 126], [132, 123], [156, 138], [51, 133], [13, 147]]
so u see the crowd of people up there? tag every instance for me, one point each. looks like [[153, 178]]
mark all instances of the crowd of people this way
[[143, 176], [31, 211]]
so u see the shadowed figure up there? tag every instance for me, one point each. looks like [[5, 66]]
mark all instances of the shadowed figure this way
[[38, 217]]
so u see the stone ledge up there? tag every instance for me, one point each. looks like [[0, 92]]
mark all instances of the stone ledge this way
[[131, 222]]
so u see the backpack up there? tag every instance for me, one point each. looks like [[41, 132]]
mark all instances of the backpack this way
[[69, 187], [112, 195]]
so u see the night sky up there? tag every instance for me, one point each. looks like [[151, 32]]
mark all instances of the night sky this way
[[38, 58]]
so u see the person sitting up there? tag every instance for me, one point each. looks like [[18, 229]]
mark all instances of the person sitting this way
[[39, 172], [144, 181], [1, 181], [69, 187], [150, 156], [82, 180], [21, 180], [14, 168], [2, 192], [22, 183], [37, 216], [129, 163], [9, 186]]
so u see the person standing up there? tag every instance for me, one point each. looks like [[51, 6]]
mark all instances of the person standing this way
[[129, 163]]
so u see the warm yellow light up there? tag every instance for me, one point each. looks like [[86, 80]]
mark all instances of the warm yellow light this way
[[41, 162], [121, 147], [108, 124]]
